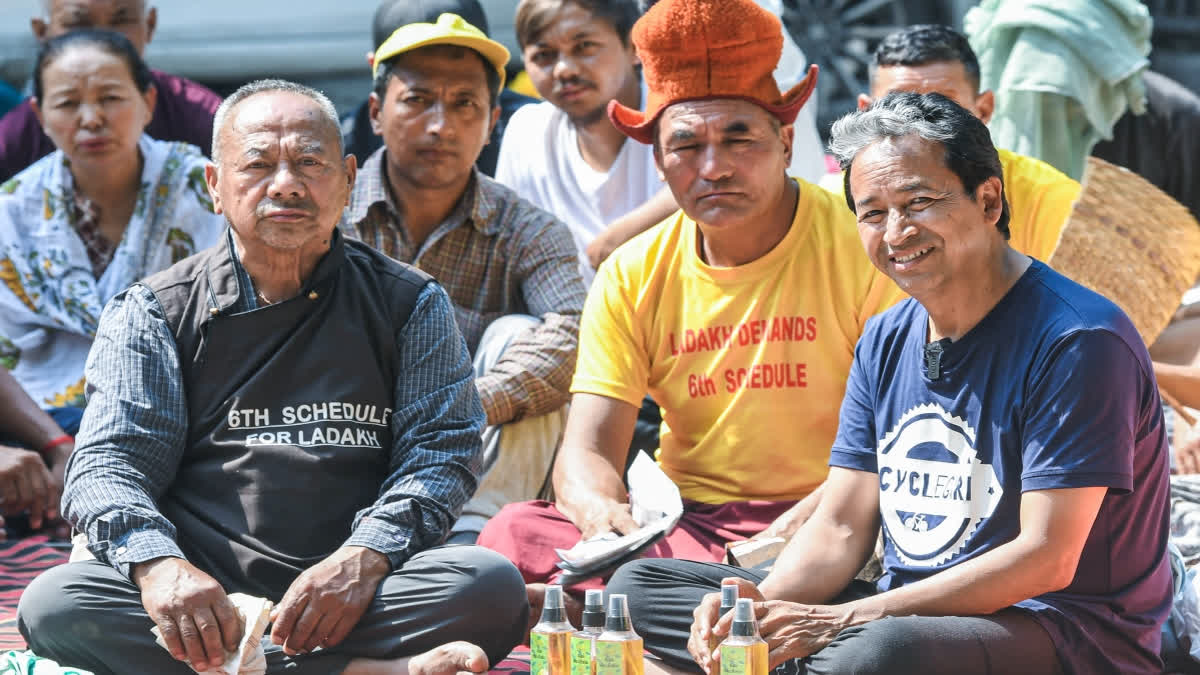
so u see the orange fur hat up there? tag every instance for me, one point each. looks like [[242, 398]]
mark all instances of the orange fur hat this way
[[704, 49]]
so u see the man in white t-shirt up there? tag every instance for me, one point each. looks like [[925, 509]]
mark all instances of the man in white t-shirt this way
[[563, 154], [566, 157]]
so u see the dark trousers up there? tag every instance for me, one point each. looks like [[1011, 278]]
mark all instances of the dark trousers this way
[[663, 593], [87, 615]]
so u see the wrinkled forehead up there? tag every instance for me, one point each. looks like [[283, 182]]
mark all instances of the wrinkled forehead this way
[[95, 12], [275, 118], [903, 163], [714, 116], [912, 147]]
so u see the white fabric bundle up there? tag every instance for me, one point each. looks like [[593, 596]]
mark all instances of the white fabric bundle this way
[[249, 658]]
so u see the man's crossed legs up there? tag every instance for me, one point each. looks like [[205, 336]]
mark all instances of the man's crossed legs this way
[[663, 593], [87, 615]]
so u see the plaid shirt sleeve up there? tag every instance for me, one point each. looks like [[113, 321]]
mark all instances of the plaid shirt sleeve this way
[[533, 376], [436, 446], [132, 437]]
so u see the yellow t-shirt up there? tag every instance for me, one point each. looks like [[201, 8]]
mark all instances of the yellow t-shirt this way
[[1039, 200], [749, 363]]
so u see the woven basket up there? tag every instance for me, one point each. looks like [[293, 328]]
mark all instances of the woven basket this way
[[1129, 241]]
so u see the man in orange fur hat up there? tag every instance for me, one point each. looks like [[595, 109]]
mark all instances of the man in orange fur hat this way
[[738, 316], [1020, 488]]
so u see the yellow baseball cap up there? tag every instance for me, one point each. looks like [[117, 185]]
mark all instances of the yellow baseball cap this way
[[450, 29]]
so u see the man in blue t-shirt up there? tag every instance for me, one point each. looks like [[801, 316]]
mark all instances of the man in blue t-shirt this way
[[1004, 429]]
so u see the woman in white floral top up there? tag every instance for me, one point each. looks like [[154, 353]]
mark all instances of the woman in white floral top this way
[[109, 207]]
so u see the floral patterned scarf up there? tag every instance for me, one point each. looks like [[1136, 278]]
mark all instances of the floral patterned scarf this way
[[50, 298]]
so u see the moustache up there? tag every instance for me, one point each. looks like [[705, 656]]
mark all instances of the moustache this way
[[269, 206], [724, 185], [450, 148], [572, 82]]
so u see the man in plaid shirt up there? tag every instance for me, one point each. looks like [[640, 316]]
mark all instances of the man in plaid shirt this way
[[510, 268]]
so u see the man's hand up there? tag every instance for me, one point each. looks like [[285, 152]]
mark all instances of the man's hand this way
[[324, 603], [453, 658], [603, 245], [197, 621], [794, 631], [706, 623], [58, 457], [1187, 457], [26, 484], [604, 516]]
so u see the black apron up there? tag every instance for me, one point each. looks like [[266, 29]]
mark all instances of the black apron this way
[[289, 410]]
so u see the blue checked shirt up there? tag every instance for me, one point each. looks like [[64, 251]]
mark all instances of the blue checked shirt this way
[[134, 433]]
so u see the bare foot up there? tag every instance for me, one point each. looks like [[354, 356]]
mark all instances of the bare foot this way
[[536, 594], [452, 658]]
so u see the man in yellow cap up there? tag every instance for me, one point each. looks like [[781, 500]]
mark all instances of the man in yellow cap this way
[[509, 267], [738, 316]]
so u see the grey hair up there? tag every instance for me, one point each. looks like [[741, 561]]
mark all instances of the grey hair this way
[[220, 119], [858, 129], [968, 148]]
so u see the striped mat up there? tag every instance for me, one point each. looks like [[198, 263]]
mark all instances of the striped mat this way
[[20, 561], [517, 662]]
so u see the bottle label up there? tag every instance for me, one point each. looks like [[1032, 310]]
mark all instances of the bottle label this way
[[581, 656], [735, 661], [539, 654], [610, 658]]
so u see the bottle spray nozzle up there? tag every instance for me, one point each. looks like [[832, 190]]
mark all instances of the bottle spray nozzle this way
[[743, 619], [729, 595], [618, 614], [594, 599], [593, 609], [553, 607], [743, 610]]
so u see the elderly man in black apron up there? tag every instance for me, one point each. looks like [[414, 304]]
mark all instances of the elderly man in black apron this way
[[289, 415]]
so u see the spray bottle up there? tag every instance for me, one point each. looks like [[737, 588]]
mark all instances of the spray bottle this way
[[618, 648], [729, 597], [549, 641], [744, 652], [583, 641]]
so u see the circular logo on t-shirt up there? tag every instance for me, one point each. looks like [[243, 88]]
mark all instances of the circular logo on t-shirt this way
[[933, 489]]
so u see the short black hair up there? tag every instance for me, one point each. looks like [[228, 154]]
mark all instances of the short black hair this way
[[105, 40], [534, 16], [387, 70], [969, 151], [392, 14], [927, 43]]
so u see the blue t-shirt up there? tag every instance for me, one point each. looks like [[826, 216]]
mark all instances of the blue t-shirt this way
[[1052, 389]]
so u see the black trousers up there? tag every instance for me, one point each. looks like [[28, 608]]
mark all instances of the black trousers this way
[[663, 593], [87, 615]]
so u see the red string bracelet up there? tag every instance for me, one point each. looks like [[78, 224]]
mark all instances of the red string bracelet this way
[[55, 442]]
